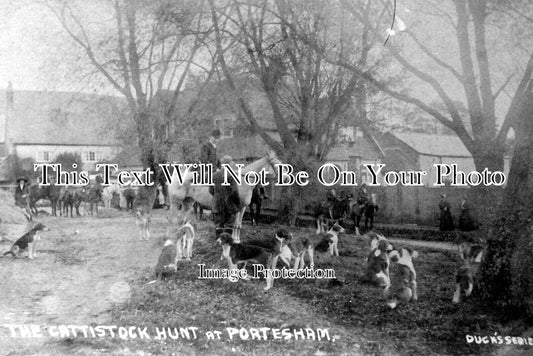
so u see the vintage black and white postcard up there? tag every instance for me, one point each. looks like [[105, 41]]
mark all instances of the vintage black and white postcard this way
[[266, 177]]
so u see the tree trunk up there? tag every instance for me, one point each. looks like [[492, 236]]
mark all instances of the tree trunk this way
[[506, 278], [150, 157], [487, 199]]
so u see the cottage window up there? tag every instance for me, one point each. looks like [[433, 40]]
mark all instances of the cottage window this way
[[329, 173], [44, 156], [346, 134], [225, 125], [89, 156]]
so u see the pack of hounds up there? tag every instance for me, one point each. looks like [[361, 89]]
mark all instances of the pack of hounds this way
[[390, 269], [397, 287]]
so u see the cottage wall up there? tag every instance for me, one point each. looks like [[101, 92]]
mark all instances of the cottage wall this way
[[101, 152]]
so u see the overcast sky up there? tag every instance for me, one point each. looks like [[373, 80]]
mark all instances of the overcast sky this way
[[34, 50]]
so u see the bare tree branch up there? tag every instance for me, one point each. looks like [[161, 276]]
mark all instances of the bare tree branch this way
[[517, 101], [435, 57], [502, 87]]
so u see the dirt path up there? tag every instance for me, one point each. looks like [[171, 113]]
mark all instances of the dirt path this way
[[82, 268], [428, 244]]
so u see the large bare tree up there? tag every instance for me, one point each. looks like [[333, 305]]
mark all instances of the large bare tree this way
[[468, 64], [506, 279], [145, 50], [308, 97]]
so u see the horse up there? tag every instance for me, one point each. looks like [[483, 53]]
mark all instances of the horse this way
[[200, 193], [108, 193], [130, 195], [370, 209], [67, 201], [51, 192], [326, 212], [91, 195], [358, 211]]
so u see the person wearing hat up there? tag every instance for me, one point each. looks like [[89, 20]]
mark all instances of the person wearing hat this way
[[226, 201], [22, 197], [208, 154]]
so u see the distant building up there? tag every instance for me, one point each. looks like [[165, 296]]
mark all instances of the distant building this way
[[356, 146], [417, 151], [42, 124]]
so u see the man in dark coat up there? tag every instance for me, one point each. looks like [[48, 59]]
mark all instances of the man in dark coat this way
[[446, 220], [226, 202], [209, 150], [22, 197]]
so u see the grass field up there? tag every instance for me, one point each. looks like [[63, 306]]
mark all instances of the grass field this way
[[353, 312]]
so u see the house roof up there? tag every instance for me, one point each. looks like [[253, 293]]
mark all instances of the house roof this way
[[63, 118], [339, 153], [364, 147], [244, 148], [434, 145]]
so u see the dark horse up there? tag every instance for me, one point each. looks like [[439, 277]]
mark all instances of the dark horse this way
[[67, 202], [51, 192], [336, 212], [370, 210], [130, 195], [91, 195]]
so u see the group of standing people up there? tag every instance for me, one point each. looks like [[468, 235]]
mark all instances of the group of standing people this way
[[466, 220], [363, 206]]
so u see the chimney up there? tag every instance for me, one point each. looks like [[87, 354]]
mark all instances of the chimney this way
[[8, 119], [9, 95]]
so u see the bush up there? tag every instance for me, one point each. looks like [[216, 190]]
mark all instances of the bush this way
[[68, 159]]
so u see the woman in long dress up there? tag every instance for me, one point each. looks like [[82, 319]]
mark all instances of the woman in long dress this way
[[466, 220], [446, 219]]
